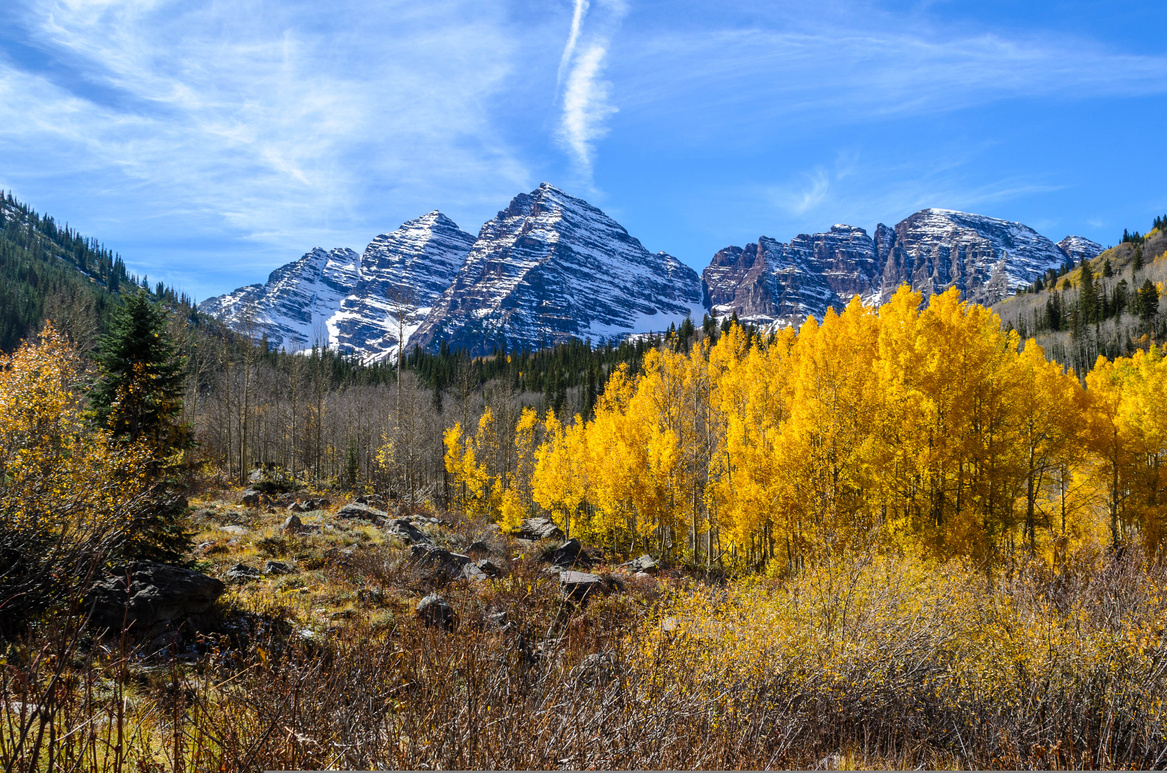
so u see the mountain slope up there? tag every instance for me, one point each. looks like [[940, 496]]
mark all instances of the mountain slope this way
[[551, 267], [348, 301], [402, 274], [294, 308]]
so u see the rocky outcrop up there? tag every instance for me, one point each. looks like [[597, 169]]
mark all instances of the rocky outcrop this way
[[983, 257], [402, 274], [1078, 248], [769, 280], [932, 250], [146, 595]]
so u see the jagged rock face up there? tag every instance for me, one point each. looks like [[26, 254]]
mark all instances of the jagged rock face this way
[[769, 280], [550, 268], [934, 249], [351, 302], [1078, 248], [402, 274], [294, 307], [985, 258]]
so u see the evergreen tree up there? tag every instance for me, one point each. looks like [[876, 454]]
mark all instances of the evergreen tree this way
[[138, 397], [1147, 304]]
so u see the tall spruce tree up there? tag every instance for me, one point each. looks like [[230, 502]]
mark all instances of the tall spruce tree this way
[[138, 398]]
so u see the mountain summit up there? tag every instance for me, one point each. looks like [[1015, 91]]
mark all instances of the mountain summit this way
[[551, 267]]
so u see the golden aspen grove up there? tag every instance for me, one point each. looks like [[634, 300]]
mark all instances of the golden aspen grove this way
[[898, 428]]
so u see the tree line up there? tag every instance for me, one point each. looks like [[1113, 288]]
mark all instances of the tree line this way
[[925, 429]]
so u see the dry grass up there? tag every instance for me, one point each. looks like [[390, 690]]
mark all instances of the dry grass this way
[[865, 662]]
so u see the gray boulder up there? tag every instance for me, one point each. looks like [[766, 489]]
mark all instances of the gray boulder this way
[[407, 532], [643, 564], [243, 573], [434, 611], [362, 512], [489, 568], [472, 571], [579, 586], [538, 529], [570, 554], [251, 497], [293, 524], [277, 567], [439, 563], [147, 594]]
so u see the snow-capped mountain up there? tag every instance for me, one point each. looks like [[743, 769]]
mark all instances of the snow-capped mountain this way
[[1079, 247], [985, 258], [770, 280], [348, 301], [551, 267], [294, 307], [402, 274], [932, 250]]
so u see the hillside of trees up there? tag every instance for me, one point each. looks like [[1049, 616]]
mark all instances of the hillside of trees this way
[[1108, 306], [51, 271]]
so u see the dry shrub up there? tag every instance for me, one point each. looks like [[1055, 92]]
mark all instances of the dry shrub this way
[[878, 661]]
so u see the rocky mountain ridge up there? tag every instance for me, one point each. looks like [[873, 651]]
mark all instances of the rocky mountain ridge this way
[[551, 267], [987, 259]]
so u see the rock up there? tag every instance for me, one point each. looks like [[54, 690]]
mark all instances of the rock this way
[[441, 563], [578, 586], [644, 564], [570, 554], [300, 507], [489, 568], [471, 571], [270, 481], [339, 555], [277, 567], [478, 549], [243, 573], [154, 594], [539, 528], [250, 497], [293, 524], [405, 530], [435, 612], [361, 511]]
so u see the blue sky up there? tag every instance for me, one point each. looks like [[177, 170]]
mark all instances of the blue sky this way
[[210, 141]]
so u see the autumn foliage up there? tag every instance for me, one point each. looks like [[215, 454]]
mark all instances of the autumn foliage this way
[[69, 493], [894, 427]]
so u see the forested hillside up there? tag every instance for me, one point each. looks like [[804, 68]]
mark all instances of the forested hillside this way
[[48, 270], [1109, 306]]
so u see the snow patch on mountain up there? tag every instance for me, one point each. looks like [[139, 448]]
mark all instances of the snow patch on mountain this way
[[551, 267]]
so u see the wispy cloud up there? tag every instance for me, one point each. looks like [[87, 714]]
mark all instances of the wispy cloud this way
[[860, 193], [283, 125], [802, 75], [577, 17], [587, 103]]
